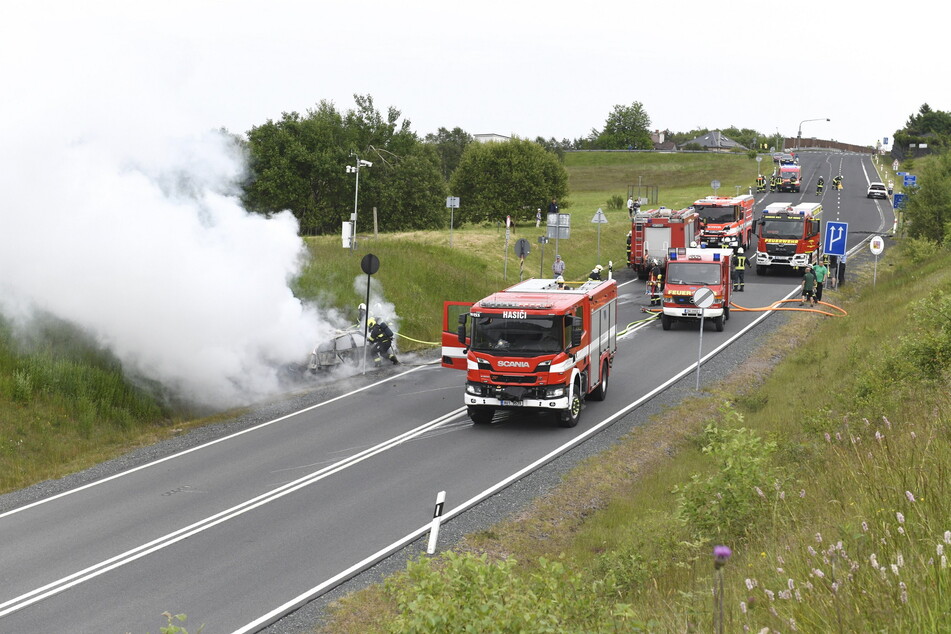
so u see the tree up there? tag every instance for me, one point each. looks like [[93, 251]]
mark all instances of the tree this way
[[514, 178], [415, 192], [626, 127], [928, 209], [449, 147]]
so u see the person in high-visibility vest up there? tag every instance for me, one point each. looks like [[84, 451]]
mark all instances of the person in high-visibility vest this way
[[760, 183], [655, 283], [740, 270]]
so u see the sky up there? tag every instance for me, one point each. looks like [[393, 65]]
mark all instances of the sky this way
[[119, 210]]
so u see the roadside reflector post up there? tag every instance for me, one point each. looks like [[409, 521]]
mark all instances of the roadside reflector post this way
[[437, 518]]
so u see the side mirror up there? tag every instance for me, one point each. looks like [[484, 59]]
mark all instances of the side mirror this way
[[576, 336], [463, 317], [462, 333]]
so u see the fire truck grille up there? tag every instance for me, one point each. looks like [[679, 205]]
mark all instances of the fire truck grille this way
[[781, 249], [683, 300], [509, 378]]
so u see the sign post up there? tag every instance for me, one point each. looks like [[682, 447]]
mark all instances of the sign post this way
[[599, 219], [542, 240], [703, 299], [370, 264], [877, 245], [452, 203]]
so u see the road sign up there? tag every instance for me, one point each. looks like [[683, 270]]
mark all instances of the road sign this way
[[452, 202], [837, 234], [885, 141], [599, 217], [910, 180], [898, 201], [895, 165], [522, 247], [703, 297], [877, 245], [715, 184], [370, 264]]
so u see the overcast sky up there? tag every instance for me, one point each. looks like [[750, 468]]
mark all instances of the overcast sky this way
[[551, 69]]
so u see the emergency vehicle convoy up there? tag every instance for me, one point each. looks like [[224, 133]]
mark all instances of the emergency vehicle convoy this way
[[690, 269], [534, 346], [655, 231], [726, 221], [788, 236], [790, 177]]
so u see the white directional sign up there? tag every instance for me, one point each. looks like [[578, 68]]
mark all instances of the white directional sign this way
[[452, 202], [837, 234]]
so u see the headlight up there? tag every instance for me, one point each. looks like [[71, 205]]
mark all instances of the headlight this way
[[555, 392], [474, 388]]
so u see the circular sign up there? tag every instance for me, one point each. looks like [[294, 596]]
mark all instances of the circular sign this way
[[522, 247], [877, 245], [759, 159], [370, 264], [715, 184], [703, 297]]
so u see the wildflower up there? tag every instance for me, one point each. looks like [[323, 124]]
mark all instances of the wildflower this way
[[743, 607], [947, 537], [944, 562], [887, 422], [770, 594], [785, 594], [812, 551], [904, 591], [818, 573], [873, 561], [908, 494], [750, 583], [798, 596], [791, 584], [895, 569], [792, 624], [940, 549], [864, 527], [913, 435], [835, 586], [878, 436], [780, 570], [819, 538], [828, 437], [901, 531], [802, 493], [900, 517], [780, 559], [838, 436], [866, 422], [782, 495], [720, 555], [759, 492], [900, 560]]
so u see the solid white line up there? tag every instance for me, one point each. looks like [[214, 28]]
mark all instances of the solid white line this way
[[202, 446]]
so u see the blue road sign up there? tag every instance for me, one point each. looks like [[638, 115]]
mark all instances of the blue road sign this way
[[910, 180], [836, 235], [886, 141], [898, 201]]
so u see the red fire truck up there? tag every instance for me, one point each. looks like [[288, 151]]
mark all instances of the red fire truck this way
[[790, 176], [533, 346], [726, 221], [788, 236], [655, 231], [689, 270]]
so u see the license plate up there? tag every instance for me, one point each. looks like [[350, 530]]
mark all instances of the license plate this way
[[511, 403], [691, 311]]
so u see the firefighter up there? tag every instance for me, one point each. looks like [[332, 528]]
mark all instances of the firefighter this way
[[655, 282], [740, 270], [380, 339], [819, 185], [595, 273], [760, 183], [629, 247], [837, 182], [560, 282], [772, 183], [361, 313]]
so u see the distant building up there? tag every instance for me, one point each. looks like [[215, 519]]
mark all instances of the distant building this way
[[715, 142], [489, 138], [661, 142]]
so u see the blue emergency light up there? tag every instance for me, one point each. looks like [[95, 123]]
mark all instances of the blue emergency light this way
[[672, 255], [716, 257]]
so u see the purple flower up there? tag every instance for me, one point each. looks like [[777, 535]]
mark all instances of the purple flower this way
[[720, 555], [910, 496]]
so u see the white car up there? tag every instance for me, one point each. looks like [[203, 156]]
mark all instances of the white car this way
[[877, 190]]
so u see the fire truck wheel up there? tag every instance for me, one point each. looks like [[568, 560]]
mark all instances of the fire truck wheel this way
[[602, 390], [718, 322], [726, 312], [569, 417], [481, 415], [665, 321]]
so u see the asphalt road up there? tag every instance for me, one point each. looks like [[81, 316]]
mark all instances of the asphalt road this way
[[243, 528]]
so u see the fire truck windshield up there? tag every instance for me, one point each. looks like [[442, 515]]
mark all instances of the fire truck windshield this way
[[717, 215], [693, 273], [785, 229], [532, 334]]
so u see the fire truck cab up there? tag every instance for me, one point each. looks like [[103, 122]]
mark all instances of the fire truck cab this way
[[726, 221], [689, 270], [655, 231], [533, 346], [790, 176], [788, 236]]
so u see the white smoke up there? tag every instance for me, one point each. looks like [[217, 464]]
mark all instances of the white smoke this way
[[145, 246]]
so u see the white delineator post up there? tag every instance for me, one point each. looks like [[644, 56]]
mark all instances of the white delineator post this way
[[437, 517]]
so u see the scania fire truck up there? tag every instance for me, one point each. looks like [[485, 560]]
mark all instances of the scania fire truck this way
[[788, 236], [726, 221], [790, 177], [689, 270], [533, 346], [655, 231]]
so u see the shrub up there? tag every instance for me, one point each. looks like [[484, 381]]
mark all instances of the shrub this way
[[615, 203]]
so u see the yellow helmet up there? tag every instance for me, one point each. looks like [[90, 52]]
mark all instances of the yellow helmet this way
[[371, 322]]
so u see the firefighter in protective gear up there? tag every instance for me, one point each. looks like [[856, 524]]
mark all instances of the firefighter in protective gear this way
[[380, 338], [595, 273], [837, 182], [740, 270], [773, 183], [361, 313], [560, 281], [819, 185], [760, 183], [655, 283]]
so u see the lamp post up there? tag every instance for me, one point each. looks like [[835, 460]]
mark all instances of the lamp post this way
[[355, 169], [799, 134]]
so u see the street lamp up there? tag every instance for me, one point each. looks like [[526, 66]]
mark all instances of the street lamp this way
[[355, 169], [799, 134]]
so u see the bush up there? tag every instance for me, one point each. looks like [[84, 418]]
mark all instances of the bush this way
[[615, 203]]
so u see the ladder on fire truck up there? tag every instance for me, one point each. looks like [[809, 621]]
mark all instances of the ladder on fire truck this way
[[637, 231]]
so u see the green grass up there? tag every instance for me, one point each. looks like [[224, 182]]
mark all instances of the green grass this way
[[842, 527]]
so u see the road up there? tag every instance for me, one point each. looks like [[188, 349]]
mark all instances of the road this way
[[239, 531]]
